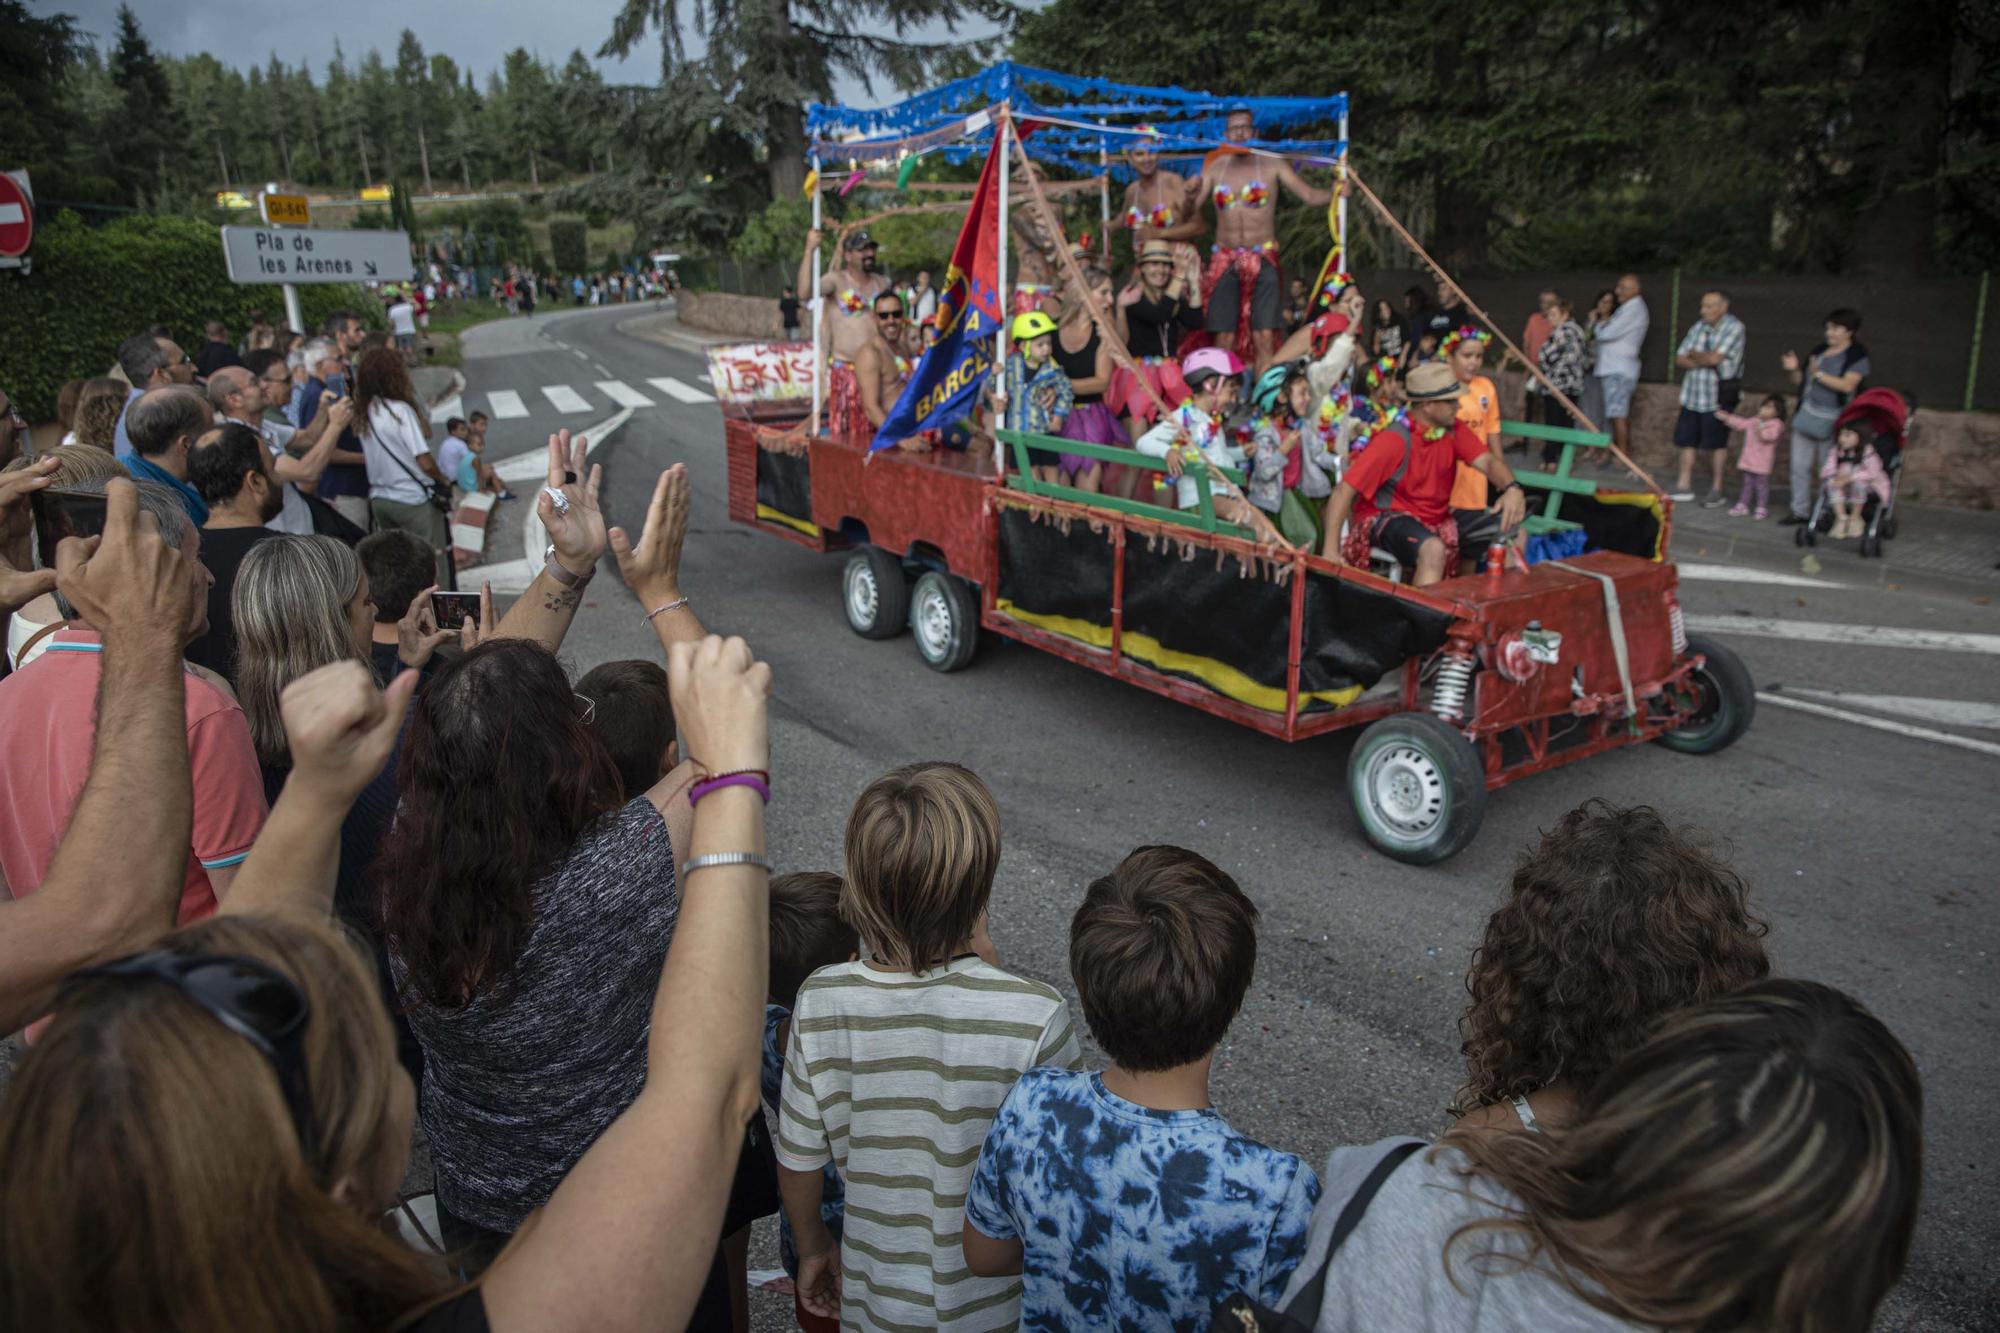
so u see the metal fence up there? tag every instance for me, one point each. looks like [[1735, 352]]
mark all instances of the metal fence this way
[[1924, 335]]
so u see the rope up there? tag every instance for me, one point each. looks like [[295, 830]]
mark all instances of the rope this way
[[1402, 232], [1120, 355]]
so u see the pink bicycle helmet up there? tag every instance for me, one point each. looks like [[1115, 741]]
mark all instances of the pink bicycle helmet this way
[[1210, 361]]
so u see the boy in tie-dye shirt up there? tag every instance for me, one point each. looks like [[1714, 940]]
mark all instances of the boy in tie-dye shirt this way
[[1122, 1198]]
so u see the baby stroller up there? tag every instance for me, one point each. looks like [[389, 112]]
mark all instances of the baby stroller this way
[[1890, 416]]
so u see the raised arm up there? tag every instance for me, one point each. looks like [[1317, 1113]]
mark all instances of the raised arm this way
[[577, 539], [1292, 181], [341, 729], [116, 877], [318, 440], [593, 1260]]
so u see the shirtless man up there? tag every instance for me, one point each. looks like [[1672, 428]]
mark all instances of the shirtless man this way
[[1162, 206], [881, 368], [1037, 266], [1242, 276], [846, 301]]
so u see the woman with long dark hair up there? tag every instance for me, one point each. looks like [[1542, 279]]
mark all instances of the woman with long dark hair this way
[[209, 1132], [395, 435]]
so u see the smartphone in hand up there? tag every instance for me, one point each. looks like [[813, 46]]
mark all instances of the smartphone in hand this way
[[58, 513], [453, 609]]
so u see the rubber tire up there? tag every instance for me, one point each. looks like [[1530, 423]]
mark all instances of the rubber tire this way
[[1463, 787], [1888, 528], [1871, 546], [1736, 696], [960, 604], [892, 593], [1802, 535]]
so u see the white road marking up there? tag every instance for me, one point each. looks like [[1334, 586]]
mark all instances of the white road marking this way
[[1740, 574], [577, 352], [674, 388], [506, 404], [602, 369], [1944, 712], [623, 394], [453, 406], [509, 578], [1879, 723], [531, 466], [1863, 636], [565, 398]]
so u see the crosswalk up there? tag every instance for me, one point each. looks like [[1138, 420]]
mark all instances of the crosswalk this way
[[510, 404]]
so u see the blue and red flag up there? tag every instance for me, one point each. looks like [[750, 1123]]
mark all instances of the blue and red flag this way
[[945, 385]]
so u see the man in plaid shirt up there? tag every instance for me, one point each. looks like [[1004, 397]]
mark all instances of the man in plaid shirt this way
[[1711, 359]]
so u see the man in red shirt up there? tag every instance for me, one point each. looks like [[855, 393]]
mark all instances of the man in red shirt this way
[[48, 734], [1398, 490]]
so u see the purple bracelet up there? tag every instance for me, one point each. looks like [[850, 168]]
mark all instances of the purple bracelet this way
[[750, 780]]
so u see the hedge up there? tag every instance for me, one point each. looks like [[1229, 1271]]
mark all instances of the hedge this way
[[91, 288], [567, 244]]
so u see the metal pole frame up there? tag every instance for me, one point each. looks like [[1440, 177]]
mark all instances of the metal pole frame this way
[[813, 304], [1340, 181], [1003, 135]]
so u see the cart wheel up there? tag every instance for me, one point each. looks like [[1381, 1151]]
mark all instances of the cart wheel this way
[[1871, 546], [1417, 787], [1802, 535], [1889, 527], [1724, 699], [944, 620], [875, 593]]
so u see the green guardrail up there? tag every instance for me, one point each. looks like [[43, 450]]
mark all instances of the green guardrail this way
[[1202, 518], [1559, 482]]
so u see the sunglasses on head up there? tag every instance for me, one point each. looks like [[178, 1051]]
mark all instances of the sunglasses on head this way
[[256, 1002]]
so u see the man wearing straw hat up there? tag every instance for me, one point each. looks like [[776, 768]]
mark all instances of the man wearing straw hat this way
[[1242, 282], [1397, 493], [846, 309]]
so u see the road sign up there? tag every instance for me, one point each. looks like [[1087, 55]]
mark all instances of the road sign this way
[[377, 194], [17, 214], [231, 199], [286, 210], [267, 254]]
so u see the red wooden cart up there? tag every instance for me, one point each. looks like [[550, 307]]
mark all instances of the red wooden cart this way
[[1462, 686]]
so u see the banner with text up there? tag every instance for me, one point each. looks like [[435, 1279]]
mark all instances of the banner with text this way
[[762, 372], [946, 383]]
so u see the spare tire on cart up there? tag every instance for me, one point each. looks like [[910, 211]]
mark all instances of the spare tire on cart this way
[[1417, 787]]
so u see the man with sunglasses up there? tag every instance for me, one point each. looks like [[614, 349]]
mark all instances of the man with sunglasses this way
[[883, 366], [149, 361], [843, 305], [243, 394]]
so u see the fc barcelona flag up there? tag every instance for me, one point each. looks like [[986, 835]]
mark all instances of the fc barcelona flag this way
[[945, 385]]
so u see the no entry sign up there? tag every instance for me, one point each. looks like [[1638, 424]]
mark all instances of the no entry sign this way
[[17, 218]]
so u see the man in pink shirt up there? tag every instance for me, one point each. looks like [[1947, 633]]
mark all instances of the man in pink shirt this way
[[47, 729]]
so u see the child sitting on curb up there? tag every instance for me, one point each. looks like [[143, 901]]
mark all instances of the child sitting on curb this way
[[1123, 1198]]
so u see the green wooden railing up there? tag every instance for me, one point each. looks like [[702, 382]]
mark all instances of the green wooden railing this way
[[1202, 517], [1559, 482]]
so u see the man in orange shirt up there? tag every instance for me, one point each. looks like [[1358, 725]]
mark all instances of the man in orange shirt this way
[[1464, 350]]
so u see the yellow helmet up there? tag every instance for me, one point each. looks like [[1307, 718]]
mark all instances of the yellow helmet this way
[[1032, 325]]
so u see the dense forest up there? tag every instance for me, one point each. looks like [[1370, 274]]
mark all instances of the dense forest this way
[[1849, 136]]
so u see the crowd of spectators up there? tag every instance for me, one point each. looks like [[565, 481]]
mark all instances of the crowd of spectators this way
[[264, 923]]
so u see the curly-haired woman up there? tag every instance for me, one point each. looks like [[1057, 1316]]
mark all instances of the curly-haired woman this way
[[1614, 921]]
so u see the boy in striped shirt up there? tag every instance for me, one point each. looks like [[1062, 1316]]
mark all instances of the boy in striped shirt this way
[[897, 1063]]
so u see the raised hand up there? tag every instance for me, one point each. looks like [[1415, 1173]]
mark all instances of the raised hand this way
[[342, 728], [721, 698], [470, 636], [652, 569], [575, 524], [18, 587], [129, 581]]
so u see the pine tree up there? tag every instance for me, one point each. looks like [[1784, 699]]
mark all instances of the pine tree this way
[[773, 56], [152, 151]]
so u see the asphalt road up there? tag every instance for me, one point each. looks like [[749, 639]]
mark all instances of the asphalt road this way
[[1871, 852]]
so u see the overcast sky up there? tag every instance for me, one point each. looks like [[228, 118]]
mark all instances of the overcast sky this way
[[478, 36]]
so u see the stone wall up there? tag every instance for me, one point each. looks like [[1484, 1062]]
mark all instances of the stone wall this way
[[1954, 460], [725, 312]]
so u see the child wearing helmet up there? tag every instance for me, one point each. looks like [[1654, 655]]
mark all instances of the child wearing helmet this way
[[1289, 464], [1034, 394], [1194, 431]]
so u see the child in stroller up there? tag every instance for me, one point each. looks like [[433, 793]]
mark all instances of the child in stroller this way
[[1857, 493]]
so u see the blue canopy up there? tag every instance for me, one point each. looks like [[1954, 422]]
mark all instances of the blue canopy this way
[[1179, 119]]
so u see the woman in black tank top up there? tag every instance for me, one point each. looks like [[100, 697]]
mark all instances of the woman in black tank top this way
[[1089, 369]]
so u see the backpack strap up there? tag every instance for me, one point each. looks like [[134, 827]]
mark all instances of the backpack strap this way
[[1385, 494], [1305, 1306]]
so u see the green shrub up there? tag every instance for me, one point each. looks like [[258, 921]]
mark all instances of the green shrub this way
[[93, 288], [566, 243]]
